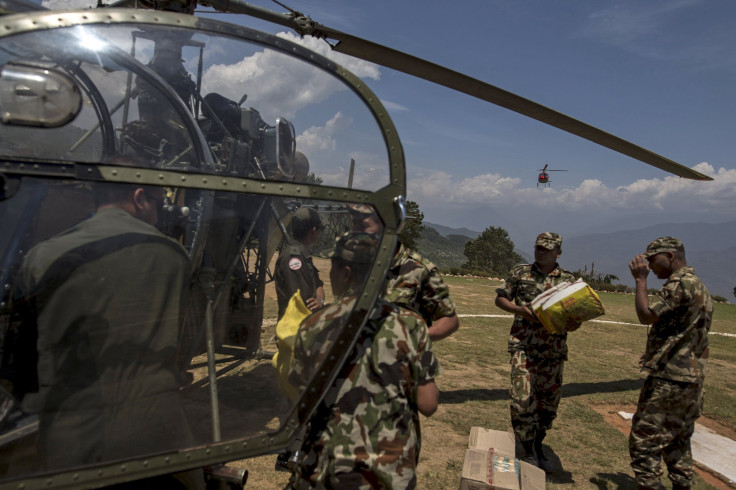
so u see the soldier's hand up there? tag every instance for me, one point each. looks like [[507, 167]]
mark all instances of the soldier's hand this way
[[639, 267], [528, 314], [315, 304]]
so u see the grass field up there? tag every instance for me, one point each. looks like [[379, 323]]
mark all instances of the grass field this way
[[601, 377]]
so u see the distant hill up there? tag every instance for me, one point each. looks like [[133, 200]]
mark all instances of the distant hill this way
[[709, 248], [446, 230], [445, 252], [445, 246]]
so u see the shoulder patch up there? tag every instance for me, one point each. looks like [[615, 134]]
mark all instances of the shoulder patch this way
[[295, 263]]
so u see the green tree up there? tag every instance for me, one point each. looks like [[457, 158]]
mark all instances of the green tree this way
[[734, 291], [594, 277], [312, 178], [413, 226], [492, 252]]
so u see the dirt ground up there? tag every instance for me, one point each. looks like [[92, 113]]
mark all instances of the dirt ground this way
[[610, 414]]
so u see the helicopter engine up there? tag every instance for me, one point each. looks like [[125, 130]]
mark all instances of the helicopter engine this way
[[245, 143]]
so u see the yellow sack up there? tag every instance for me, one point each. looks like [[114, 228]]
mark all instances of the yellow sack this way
[[566, 306], [286, 330]]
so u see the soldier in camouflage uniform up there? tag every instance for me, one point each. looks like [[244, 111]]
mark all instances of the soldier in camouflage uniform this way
[[675, 359], [363, 433], [537, 355], [413, 281]]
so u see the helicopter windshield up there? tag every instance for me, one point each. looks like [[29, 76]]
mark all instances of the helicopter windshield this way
[[146, 91], [171, 199]]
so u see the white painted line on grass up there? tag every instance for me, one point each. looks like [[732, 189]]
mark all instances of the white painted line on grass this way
[[722, 334]]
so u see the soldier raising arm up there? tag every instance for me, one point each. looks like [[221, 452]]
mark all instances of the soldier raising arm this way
[[675, 359]]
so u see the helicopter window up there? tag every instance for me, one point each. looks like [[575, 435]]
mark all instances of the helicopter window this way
[[188, 100], [147, 318], [121, 333]]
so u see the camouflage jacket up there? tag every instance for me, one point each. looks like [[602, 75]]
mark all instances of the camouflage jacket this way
[[363, 433], [525, 283], [677, 344], [415, 282]]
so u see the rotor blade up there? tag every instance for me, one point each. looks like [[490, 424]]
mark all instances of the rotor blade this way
[[411, 65], [418, 67]]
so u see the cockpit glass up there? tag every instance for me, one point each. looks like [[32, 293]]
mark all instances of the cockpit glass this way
[[123, 334], [149, 312], [169, 95]]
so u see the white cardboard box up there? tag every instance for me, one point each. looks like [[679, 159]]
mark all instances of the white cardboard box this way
[[490, 464], [502, 442]]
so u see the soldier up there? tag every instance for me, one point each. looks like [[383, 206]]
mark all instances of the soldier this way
[[363, 433], [413, 281], [294, 267], [95, 350], [537, 355], [675, 359]]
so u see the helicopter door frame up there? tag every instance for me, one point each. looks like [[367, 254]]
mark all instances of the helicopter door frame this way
[[385, 201]]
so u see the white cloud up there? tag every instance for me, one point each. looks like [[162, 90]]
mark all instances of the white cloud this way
[[393, 106], [361, 68], [320, 144], [667, 194], [276, 84], [321, 138], [280, 85]]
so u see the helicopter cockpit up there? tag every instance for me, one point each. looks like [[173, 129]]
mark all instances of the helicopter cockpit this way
[[151, 163]]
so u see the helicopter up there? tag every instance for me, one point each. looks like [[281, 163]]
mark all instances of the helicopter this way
[[543, 177], [150, 97]]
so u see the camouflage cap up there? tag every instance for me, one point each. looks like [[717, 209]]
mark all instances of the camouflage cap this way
[[356, 246], [664, 244], [548, 240], [306, 218]]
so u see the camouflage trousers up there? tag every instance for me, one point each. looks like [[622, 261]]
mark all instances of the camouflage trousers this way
[[662, 426], [536, 389]]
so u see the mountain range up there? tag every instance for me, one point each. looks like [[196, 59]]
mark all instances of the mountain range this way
[[709, 248]]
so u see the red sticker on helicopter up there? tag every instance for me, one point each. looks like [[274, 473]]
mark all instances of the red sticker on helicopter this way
[[295, 264]]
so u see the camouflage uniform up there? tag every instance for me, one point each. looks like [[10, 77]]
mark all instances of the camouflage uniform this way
[[363, 433], [672, 396], [537, 356], [415, 282]]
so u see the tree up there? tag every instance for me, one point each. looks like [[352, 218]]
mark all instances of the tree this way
[[312, 178], [492, 252], [413, 226], [594, 277]]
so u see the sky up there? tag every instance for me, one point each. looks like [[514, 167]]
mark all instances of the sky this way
[[659, 73]]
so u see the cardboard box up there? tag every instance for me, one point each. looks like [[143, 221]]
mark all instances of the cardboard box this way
[[487, 469], [490, 464], [502, 442]]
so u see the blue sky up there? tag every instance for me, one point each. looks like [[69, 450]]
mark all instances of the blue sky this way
[[659, 73]]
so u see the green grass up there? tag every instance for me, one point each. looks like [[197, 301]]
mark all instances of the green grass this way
[[601, 373], [601, 376]]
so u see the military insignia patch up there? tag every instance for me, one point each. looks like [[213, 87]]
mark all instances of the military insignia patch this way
[[295, 264]]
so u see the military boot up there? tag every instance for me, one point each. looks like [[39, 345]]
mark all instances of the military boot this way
[[529, 456], [544, 463]]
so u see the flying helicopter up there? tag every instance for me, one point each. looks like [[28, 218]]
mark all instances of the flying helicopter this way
[[543, 177], [83, 89]]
